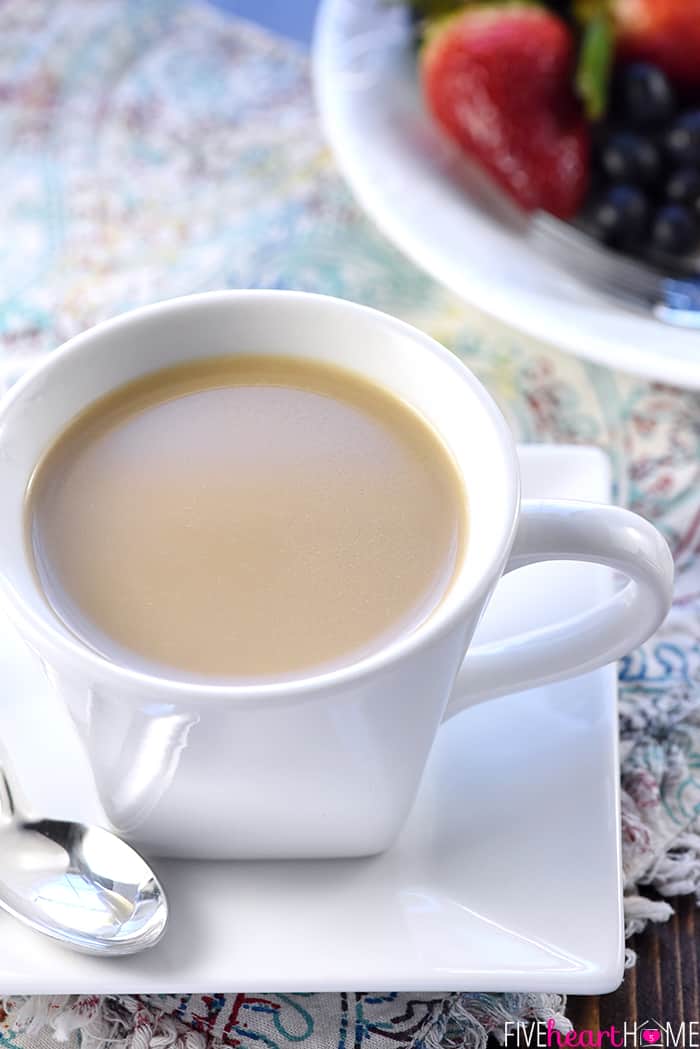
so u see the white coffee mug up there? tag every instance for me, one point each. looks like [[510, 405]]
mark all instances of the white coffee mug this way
[[328, 765]]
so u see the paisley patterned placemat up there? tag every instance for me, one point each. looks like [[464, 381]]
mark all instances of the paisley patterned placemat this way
[[152, 148]]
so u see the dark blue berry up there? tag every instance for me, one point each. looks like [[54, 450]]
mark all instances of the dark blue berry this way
[[682, 140], [626, 157], [675, 230], [683, 187], [644, 96], [621, 217]]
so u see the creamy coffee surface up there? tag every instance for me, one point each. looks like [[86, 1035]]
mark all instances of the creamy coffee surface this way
[[245, 518]]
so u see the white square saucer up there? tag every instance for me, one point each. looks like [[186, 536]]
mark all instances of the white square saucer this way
[[506, 877]]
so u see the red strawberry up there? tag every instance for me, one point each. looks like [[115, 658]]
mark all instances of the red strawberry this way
[[665, 32], [499, 81]]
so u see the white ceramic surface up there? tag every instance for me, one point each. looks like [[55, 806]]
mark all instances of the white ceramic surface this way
[[412, 183], [224, 771], [518, 890]]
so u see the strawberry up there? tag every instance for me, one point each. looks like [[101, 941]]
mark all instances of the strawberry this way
[[663, 32], [498, 79]]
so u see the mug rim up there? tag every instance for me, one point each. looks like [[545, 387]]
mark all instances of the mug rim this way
[[42, 634]]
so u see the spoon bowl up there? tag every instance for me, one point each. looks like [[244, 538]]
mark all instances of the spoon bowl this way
[[78, 884]]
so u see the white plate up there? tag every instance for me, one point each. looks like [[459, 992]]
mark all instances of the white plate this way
[[408, 179], [507, 876]]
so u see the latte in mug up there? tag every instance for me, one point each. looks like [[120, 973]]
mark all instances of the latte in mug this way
[[246, 518]]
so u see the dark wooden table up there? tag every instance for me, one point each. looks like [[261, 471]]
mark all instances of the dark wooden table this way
[[664, 985]]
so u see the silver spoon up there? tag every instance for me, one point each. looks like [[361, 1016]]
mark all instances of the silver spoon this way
[[78, 884]]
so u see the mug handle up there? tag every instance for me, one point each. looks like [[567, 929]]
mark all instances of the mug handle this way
[[563, 530]]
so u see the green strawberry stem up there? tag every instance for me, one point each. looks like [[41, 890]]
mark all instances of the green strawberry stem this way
[[429, 9], [595, 60]]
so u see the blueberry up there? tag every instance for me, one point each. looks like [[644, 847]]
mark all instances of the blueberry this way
[[644, 95], [683, 139], [626, 157], [675, 230], [621, 217], [683, 187]]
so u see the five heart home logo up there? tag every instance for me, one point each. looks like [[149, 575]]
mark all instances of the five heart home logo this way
[[647, 1034]]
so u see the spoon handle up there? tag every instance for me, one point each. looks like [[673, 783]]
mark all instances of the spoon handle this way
[[7, 801], [11, 800]]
